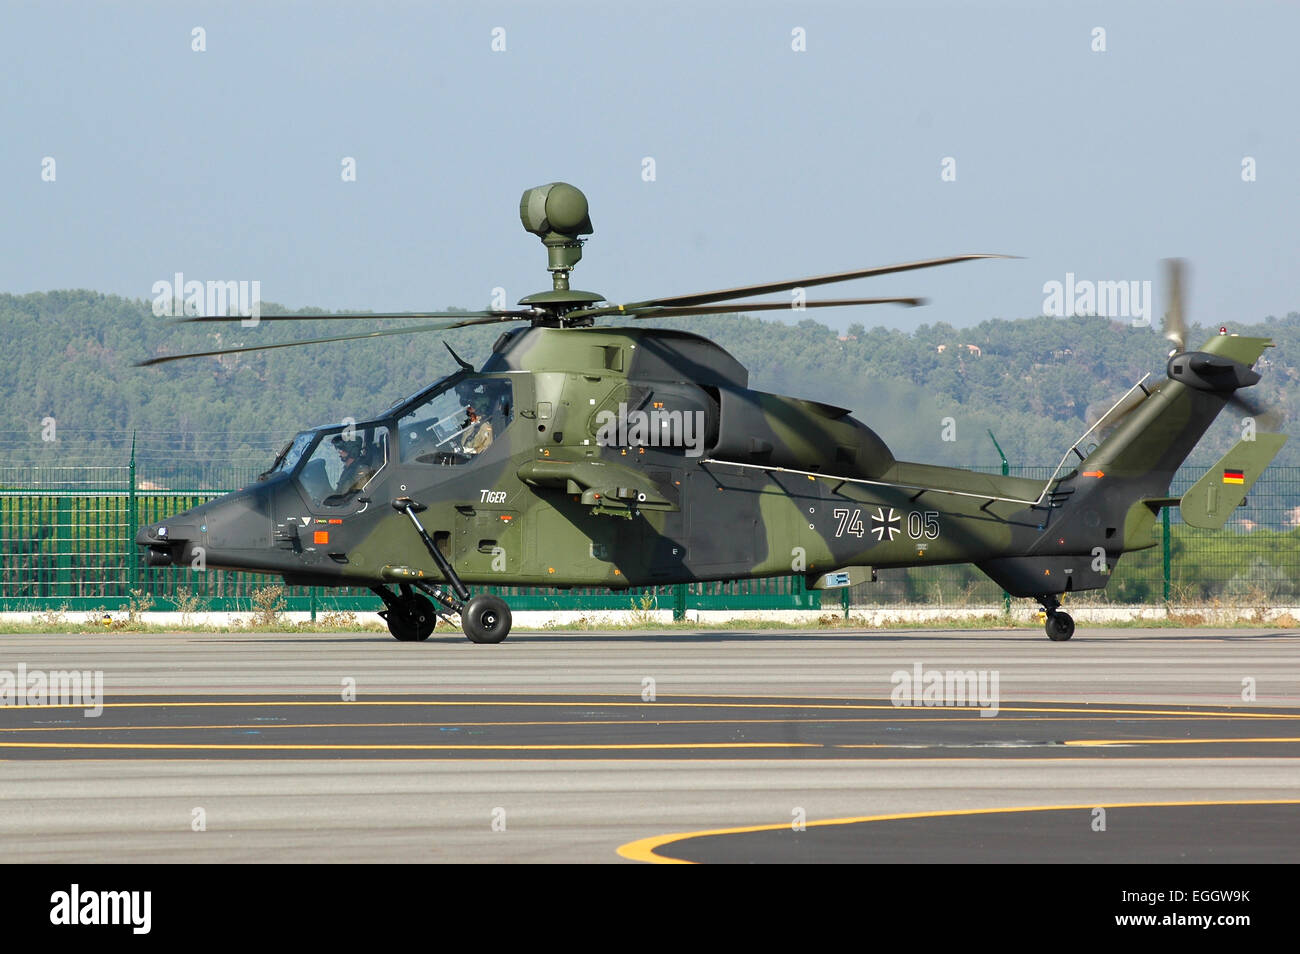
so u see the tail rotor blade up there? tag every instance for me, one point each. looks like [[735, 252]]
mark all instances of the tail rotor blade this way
[[1267, 418], [1175, 322]]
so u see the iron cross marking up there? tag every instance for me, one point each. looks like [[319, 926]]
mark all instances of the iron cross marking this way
[[881, 524]]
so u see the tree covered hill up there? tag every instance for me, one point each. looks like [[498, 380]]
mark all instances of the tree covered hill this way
[[1036, 382]]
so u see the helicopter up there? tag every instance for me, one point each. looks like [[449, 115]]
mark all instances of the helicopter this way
[[597, 456]]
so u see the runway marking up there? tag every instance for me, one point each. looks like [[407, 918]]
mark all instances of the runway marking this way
[[1101, 743], [644, 849], [666, 704], [934, 761], [422, 747], [941, 745], [1188, 717]]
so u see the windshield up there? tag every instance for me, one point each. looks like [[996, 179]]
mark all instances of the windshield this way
[[457, 425], [291, 454], [422, 395], [342, 462]]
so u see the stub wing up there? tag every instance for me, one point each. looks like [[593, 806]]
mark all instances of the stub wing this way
[[604, 486]]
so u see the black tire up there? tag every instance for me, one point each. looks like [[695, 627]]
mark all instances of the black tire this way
[[1059, 626], [486, 619], [414, 621]]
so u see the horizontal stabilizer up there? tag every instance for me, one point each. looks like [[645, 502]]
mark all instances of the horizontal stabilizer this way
[[1215, 496]]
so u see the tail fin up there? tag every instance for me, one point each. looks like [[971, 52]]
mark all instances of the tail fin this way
[[1109, 502], [1154, 440]]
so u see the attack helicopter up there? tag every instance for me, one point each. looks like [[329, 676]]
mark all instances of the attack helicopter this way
[[585, 455]]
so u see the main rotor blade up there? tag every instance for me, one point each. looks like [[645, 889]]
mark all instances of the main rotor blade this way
[[440, 326], [357, 316], [738, 307], [1175, 322], [748, 291]]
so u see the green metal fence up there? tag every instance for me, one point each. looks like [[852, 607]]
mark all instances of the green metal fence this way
[[66, 541], [73, 548], [1256, 557]]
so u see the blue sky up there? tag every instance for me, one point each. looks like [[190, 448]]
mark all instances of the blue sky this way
[[769, 163]]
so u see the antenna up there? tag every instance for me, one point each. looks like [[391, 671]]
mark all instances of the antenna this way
[[459, 360]]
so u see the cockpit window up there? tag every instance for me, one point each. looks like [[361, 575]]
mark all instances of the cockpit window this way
[[459, 424], [343, 462], [290, 455]]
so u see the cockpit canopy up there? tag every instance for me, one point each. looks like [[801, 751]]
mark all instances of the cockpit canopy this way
[[451, 423], [455, 425], [342, 461]]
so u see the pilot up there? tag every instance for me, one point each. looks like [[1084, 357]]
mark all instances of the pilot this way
[[481, 429], [355, 472], [477, 435]]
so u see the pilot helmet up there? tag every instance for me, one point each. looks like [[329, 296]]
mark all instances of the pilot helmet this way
[[353, 447]]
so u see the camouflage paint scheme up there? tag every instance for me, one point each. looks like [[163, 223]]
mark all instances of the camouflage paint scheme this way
[[567, 511]]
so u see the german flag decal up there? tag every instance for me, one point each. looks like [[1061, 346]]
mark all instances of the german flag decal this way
[[1231, 476]]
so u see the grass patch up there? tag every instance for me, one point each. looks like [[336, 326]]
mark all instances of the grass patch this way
[[269, 618]]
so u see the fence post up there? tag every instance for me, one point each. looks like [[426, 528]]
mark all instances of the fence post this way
[[679, 602], [63, 543], [132, 521], [1006, 469], [312, 591], [1165, 552]]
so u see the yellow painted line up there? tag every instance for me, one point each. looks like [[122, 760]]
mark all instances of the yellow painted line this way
[[1104, 742], [612, 762], [645, 848], [558, 722], [1227, 714], [421, 747]]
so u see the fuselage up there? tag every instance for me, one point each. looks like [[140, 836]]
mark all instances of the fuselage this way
[[622, 457]]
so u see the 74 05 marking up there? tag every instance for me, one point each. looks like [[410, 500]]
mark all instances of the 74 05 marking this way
[[921, 524]]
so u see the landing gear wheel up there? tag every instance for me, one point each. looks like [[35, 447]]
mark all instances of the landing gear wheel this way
[[413, 620], [1059, 626], [486, 619]]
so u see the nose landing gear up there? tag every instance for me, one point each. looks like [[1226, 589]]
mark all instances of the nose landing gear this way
[[486, 619]]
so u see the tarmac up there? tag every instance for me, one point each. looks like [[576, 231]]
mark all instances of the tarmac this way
[[1121, 745]]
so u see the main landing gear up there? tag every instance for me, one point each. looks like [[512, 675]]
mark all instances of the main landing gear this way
[[1059, 626], [412, 616]]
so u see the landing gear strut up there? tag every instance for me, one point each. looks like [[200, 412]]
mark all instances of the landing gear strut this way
[[1059, 626], [484, 618]]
